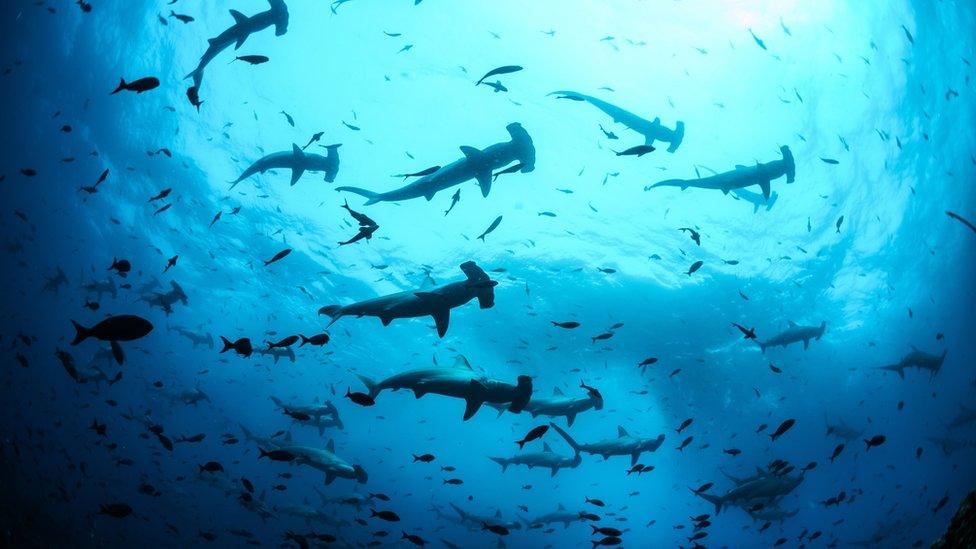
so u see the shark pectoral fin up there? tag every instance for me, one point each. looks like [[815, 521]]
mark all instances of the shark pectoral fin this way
[[633, 458], [484, 181], [570, 418], [296, 174], [553, 472], [806, 344], [764, 185], [386, 320], [471, 407], [329, 478], [442, 318]]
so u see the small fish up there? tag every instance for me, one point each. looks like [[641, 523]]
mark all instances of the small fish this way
[[684, 424], [829, 160], [959, 218], [535, 433], [291, 121], [837, 450], [454, 200], [694, 267], [840, 221], [181, 17], [567, 325], [424, 458], [138, 86], [876, 440], [758, 40], [507, 69], [361, 399], [252, 59], [782, 429], [511, 169], [421, 173], [492, 227], [638, 151], [278, 256]]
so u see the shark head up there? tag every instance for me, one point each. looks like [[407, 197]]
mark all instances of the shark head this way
[[360, 474], [280, 11], [523, 393], [478, 281], [524, 149], [789, 165]]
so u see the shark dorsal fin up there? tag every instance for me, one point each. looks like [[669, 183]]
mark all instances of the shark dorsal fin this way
[[238, 17], [556, 391], [330, 446], [296, 151], [656, 121], [561, 507], [621, 432], [791, 323], [498, 513], [461, 362], [470, 152], [427, 283], [545, 447]]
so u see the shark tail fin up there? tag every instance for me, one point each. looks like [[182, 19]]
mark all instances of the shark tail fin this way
[[500, 461], [790, 164], [677, 137], [121, 87], [372, 197], [762, 346], [371, 386], [569, 440]]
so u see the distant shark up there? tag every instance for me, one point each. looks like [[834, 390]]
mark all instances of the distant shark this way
[[559, 515], [459, 381], [244, 26], [435, 301], [546, 459], [767, 490], [476, 164], [477, 522], [741, 176], [917, 359], [559, 405], [326, 461], [320, 415], [195, 339], [623, 445], [652, 130], [276, 354], [795, 334], [298, 161]]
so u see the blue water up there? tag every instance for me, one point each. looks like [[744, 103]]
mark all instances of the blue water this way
[[831, 80]]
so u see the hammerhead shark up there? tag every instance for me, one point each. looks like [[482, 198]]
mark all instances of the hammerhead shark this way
[[436, 301], [559, 405], [326, 461], [623, 445], [794, 334], [546, 459], [459, 381], [918, 359], [243, 27], [320, 415], [741, 177], [476, 164], [477, 522], [298, 161], [652, 130]]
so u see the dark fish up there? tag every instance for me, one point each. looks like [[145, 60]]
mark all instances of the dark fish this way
[[511, 169], [840, 221], [732, 451], [492, 227], [876, 440], [138, 86], [120, 266], [746, 333], [454, 481], [495, 529], [421, 173], [961, 220], [567, 325], [703, 488], [291, 121], [317, 339], [114, 328], [361, 399], [694, 267], [181, 17], [247, 485], [758, 40], [423, 458], [278, 256], [694, 234], [211, 467], [252, 59], [829, 160], [783, 427], [388, 516], [534, 434], [242, 346], [602, 337], [596, 502], [638, 151], [286, 342], [647, 361], [507, 69], [685, 443], [684, 424]]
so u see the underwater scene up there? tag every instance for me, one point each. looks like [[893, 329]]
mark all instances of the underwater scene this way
[[430, 273]]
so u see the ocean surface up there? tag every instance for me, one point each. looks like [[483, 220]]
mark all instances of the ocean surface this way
[[839, 412]]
